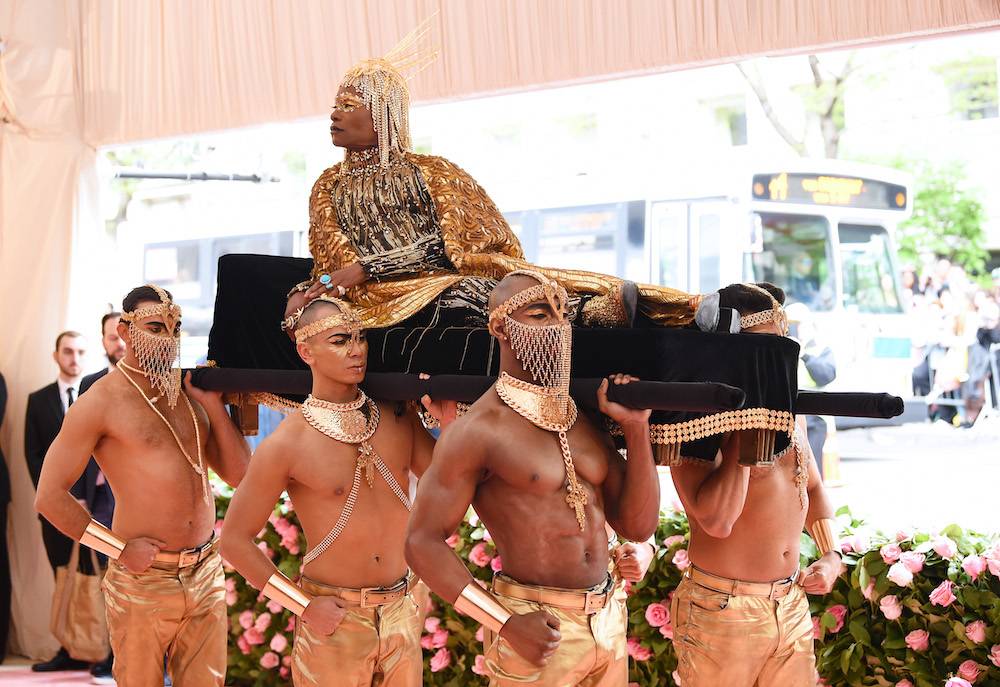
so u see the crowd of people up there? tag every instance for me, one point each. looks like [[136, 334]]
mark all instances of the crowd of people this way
[[956, 320]]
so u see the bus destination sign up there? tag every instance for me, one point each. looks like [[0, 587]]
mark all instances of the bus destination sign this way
[[815, 189]]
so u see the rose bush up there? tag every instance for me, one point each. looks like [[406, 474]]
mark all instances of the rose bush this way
[[934, 620]]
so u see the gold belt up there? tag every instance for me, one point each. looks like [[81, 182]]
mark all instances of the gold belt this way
[[586, 600], [188, 557], [365, 597], [771, 590]]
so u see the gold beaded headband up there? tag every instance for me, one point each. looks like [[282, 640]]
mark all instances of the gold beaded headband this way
[[167, 309], [547, 290], [776, 314], [345, 318]]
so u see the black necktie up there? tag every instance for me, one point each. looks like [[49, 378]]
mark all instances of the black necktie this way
[[69, 396]]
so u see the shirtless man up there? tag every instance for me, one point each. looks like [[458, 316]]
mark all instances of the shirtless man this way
[[740, 616], [344, 460], [544, 485], [164, 590]]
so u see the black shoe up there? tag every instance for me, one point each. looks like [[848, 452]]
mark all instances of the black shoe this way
[[102, 669], [62, 661]]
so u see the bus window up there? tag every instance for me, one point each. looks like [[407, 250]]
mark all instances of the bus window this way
[[796, 255], [586, 238], [709, 245], [869, 281]]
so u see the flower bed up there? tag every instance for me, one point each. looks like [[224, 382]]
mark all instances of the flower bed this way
[[912, 609]]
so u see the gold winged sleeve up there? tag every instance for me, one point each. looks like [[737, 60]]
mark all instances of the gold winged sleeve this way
[[329, 246]]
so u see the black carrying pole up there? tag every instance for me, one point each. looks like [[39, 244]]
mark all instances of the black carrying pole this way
[[693, 397]]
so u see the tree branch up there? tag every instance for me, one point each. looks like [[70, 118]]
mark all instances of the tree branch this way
[[765, 102]]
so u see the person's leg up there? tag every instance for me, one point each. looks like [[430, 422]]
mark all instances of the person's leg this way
[[4, 581], [400, 658], [793, 664], [721, 639], [144, 612], [609, 628], [347, 657], [197, 656]]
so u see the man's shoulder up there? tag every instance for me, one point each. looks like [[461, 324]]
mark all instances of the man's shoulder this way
[[44, 391], [89, 380]]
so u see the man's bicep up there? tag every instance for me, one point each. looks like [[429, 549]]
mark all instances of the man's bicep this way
[[253, 502], [447, 488], [423, 446], [72, 448]]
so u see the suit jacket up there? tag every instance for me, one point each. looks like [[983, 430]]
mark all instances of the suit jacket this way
[[4, 475], [41, 425], [86, 486]]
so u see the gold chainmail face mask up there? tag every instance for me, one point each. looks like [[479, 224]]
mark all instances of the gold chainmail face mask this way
[[158, 354]]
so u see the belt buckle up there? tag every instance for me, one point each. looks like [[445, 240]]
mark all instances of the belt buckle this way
[[594, 602], [188, 557], [778, 587], [365, 591]]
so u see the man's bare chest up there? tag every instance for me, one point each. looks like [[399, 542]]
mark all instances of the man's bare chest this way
[[328, 467], [533, 460]]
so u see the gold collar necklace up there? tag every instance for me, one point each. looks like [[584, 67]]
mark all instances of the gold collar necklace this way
[[554, 411]]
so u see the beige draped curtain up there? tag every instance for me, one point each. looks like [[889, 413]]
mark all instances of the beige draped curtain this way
[[77, 74]]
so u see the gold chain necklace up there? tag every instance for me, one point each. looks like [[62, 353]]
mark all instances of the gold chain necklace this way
[[199, 465], [554, 411]]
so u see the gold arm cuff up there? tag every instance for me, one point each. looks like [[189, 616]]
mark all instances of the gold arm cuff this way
[[479, 604], [101, 539], [822, 534], [281, 589]]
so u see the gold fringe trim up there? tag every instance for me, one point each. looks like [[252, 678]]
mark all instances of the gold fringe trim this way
[[431, 422], [719, 423], [274, 402]]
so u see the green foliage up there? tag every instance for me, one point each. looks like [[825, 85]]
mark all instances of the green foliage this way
[[947, 217], [973, 86]]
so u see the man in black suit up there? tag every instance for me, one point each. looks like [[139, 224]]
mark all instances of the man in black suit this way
[[4, 558], [92, 487], [46, 409]]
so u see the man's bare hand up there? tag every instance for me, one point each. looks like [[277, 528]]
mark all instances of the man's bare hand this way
[[339, 282], [444, 412], [324, 614], [632, 560], [820, 577], [204, 398], [616, 411], [535, 636], [139, 553]]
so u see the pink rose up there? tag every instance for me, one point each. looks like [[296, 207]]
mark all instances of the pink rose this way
[[817, 628], [439, 638], [913, 561], [291, 624], [890, 553], [265, 549], [657, 615], [968, 670], [479, 634], [918, 640], [254, 636], [269, 660], [944, 547], [244, 648], [859, 542], [904, 683], [286, 661], [942, 595], [440, 660], [231, 598], [869, 591], [279, 643], [246, 620], [839, 612], [672, 540], [427, 642], [667, 631], [900, 575], [677, 678], [230, 584], [903, 535], [681, 559], [284, 672], [957, 682], [891, 608], [637, 651], [274, 607], [452, 541], [431, 624], [479, 556], [263, 622], [974, 565], [976, 631], [479, 665], [995, 655], [496, 564]]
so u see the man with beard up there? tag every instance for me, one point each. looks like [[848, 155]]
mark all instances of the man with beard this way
[[345, 461], [545, 481], [164, 590]]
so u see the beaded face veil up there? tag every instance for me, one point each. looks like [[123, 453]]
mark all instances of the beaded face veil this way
[[158, 354], [544, 351], [383, 88]]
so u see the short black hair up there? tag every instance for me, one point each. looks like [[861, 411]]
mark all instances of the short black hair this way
[[746, 300], [104, 320], [68, 333], [140, 294]]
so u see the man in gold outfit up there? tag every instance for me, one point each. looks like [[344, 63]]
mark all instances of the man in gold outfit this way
[[154, 442], [740, 616], [544, 480], [345, 461], [397, 232]]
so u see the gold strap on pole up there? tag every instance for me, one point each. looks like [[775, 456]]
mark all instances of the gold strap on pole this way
[[101, 539], [281, 589], [479, 604], [823, 534]]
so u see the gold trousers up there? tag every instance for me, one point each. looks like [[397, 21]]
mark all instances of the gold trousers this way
[[372, 646], [742, 640], [168, 611], [591, 653]]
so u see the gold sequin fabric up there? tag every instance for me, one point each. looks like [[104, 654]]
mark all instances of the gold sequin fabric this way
[[477, 240]]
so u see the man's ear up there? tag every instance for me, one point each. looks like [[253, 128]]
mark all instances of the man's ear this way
[[305, 353], [497, 329]]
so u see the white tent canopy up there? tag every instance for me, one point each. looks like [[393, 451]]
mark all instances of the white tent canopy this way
[[78, 74]]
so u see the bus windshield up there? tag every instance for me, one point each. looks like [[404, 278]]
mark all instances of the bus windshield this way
[[795, 254], [869, 284]]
